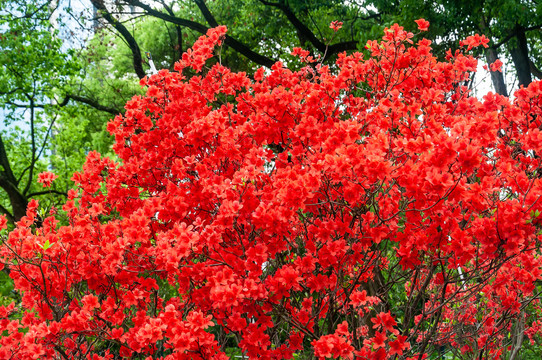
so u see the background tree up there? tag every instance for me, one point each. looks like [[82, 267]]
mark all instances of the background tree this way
[[33, 67], [73, 94], [263, 31], [42, 129]]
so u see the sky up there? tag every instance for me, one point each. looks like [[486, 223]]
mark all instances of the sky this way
[[72, 20]]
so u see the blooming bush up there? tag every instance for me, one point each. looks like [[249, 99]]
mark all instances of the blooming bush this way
[[372, 210]]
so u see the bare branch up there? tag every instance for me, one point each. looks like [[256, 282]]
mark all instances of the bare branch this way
[[230, 41], [46, 192], [513, 34], [89, 102], [132, 43], [306, 33], [206, 13], [33, 141], [178, 29]]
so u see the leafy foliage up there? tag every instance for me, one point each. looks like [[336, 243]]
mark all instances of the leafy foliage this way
[[34, 69]]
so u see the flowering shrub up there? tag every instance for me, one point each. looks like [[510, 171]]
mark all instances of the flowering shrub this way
[[372, 211]]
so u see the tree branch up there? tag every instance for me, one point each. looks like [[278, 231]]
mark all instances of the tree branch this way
[[231, 42], [46, 192], [517, 338], [306, 33], [61, 352], [17, 200], [520, 56], [33, 159], [206, 13], [47, 134], [67, 98], [8, 182], [132, 44], [300, 27], [178, 29], [89, 102], [513, 33], [5, 170], [497, 77]]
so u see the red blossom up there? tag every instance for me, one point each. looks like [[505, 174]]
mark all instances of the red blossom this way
[[336, 25], [384, 321], [423, 25], [379, 340], [474, 41], [46, 178], [399, 345], [496, 65], [90, 302], [3, 222]]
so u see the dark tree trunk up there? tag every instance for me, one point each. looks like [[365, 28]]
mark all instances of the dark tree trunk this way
[[9, 184], [520, 57], [496, 76], [18, 201]]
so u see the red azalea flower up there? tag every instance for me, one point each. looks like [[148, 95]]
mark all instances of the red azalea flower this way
[[46, 178], [336, 25], [423, 25]]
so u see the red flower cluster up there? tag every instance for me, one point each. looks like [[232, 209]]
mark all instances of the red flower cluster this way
[[368, 210], [496, 66], [475, 41], [3, 222], [336, 25], [423, 25], [46, 178]]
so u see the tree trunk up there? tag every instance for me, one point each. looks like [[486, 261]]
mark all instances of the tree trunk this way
[[8, 183], [18, 201], [520, 57], [497, 77], [517, 338]]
